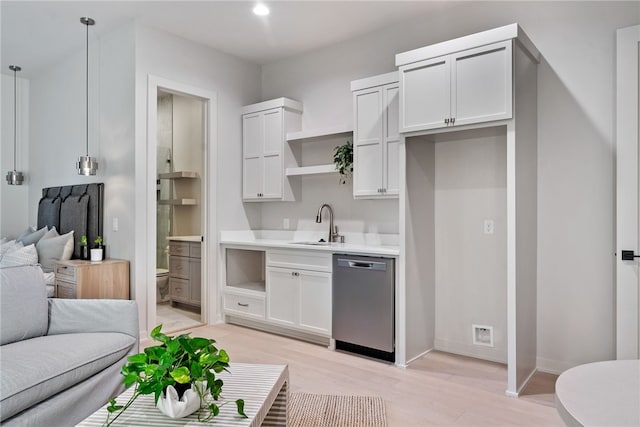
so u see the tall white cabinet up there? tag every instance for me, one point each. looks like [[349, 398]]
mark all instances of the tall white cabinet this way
[[265, 153], [375, 136], [481, 87]]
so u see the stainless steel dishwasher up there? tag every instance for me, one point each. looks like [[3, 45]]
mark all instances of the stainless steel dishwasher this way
[[363, 318]]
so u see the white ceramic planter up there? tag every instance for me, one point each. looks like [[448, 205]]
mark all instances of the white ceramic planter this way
[[96, 254], [171, 406]]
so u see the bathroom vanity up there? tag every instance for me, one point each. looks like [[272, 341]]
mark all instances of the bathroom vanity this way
[[185, 276]]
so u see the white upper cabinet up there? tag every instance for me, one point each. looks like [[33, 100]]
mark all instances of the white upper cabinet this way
[[463, 81], [375, 136], [265, 152]]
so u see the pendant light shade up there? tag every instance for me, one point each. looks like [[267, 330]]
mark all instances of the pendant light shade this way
[[14, 177], [87, 165]]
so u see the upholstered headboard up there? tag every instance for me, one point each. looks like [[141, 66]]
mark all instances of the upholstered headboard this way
[[73, 207]]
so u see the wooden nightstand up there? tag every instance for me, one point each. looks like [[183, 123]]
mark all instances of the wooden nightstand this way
[[108, 279]]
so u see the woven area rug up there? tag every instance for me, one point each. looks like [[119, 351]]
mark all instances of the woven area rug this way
[[318, 410]]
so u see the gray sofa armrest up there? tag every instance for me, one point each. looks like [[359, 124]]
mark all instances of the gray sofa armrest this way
[[68, 316]]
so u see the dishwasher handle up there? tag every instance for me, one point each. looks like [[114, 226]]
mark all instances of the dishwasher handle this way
[[364, 265]]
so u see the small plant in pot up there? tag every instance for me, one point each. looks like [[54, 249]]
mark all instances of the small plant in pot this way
[[84, 248], [181, 367], [97, 253], [343, 158]]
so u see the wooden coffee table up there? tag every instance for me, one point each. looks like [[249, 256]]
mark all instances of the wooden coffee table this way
[[264, 388]]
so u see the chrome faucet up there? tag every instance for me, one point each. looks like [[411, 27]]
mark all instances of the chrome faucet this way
[[333, 230]]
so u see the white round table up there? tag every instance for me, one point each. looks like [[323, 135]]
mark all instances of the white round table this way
[[600, 394]]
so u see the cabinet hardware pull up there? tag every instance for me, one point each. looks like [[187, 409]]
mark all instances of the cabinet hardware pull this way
[[243, 305], [453, 120], [446, 120]]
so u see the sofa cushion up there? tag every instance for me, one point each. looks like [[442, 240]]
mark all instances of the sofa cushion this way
[[23, 304], [38, 368]]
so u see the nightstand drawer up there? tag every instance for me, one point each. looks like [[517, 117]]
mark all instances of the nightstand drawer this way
[[179, 289], [65, 290], [66, 272]]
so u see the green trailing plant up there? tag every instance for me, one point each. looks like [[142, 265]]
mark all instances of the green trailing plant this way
[[180, 360], [343, 158]]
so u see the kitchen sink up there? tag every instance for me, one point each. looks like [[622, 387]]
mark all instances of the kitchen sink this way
[[310, 243]]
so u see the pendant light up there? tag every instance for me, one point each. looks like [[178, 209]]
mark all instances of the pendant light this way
[[87, 165], [14, 177]]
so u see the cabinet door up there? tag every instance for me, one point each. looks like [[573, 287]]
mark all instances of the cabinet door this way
[[367, 142], [282, 296], [252, 148], [481, 88], [272, 177], [391, 136], [315, 302], [425, 94], [195, 280]]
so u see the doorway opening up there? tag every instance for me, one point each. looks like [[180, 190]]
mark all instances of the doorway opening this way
[[181, 230], [180, 167]]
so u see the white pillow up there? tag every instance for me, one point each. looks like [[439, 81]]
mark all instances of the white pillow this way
[[10, 246], [32, 237], [52, 249], [24, 256], [51, 233]]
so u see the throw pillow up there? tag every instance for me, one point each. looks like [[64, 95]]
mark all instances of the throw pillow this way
[[26, 232], [24, 256], [32, 238], [51, 233], [52, 249]]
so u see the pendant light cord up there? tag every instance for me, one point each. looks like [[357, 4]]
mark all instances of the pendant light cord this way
[[87, 89], [15, 116]]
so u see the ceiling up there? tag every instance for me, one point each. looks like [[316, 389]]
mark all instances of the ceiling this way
[[38, 33]]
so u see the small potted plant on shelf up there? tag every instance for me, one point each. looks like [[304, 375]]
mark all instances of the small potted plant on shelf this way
[[343, 158], [84, 248], [97, 253], [181, 375]]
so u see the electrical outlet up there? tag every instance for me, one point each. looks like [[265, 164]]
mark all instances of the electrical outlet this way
[[285, 223], [482, 335], [488, 226]]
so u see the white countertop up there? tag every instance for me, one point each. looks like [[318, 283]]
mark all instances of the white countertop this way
[[355, 243]]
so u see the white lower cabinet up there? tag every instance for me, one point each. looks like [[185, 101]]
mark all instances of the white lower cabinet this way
[[299, 290], [299, 299]]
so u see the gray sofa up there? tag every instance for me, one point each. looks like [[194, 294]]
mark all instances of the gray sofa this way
[[60, 359]]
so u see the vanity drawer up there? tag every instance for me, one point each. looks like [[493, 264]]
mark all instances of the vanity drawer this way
[[179, 267], [179, 289], [66, 272], [244, 305], [179, 248]]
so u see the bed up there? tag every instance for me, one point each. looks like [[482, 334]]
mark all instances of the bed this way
[[65, 214]]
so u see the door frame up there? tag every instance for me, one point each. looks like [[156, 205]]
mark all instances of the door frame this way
[[627, 187], [209, 308]]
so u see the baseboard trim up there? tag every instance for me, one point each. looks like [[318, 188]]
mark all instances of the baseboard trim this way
[[555, 367], [523, 386], [413, 359], [491, 354]]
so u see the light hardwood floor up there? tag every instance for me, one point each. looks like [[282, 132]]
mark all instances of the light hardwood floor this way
[[438, 389]]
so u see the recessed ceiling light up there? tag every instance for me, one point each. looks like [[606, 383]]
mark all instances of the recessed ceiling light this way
[[261, 10]]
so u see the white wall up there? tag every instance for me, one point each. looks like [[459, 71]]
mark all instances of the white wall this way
[[236, 83], [14, 217], [470, 265], [57, 123], [575, 146]]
